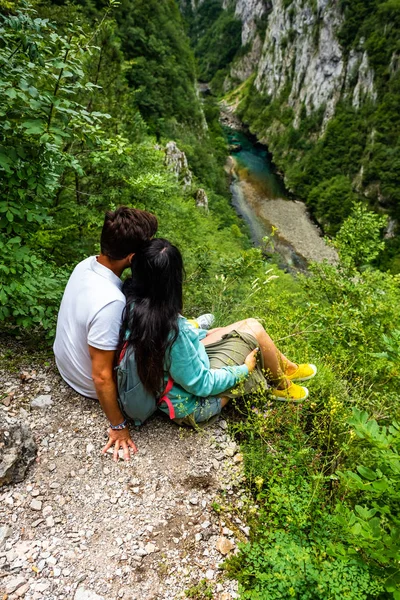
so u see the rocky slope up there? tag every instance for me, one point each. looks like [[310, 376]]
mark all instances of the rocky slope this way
[[82, 527]]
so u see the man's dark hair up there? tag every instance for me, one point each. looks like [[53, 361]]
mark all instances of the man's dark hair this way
[[125, 230]]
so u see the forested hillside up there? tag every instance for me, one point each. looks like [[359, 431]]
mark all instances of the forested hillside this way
[[319, 83], [77, 137], [89, 97]]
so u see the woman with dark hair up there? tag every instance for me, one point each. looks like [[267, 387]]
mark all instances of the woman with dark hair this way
[[205, 367]]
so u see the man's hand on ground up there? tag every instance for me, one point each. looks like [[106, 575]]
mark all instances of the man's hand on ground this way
[[119, 438]]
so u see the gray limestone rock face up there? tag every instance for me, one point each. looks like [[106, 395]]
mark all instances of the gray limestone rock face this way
[[176, 161], [301, 49], [249, 12], [202, 199], [17, 449]]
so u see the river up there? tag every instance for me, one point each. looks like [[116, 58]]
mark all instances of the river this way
[[260, 198]]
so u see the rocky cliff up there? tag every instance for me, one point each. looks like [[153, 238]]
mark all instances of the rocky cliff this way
[[296, 45], [318, 81]]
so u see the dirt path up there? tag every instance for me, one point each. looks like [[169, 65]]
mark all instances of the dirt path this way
[[83, 527]]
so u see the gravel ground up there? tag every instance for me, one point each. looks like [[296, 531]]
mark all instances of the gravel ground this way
[[83, 527]]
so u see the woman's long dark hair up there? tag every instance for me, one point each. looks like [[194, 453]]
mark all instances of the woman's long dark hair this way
[[153, 303]]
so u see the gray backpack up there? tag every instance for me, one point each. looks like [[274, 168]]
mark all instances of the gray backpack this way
[[135, 401]]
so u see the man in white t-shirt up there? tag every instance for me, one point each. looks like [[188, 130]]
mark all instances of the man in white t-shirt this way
[[90, 316]]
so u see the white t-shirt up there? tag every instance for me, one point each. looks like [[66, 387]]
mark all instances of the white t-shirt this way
[[90, 314]]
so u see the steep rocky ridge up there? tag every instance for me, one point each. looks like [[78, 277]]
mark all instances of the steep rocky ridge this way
[[300, 50]]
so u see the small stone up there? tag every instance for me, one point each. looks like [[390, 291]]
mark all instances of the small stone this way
[[13, 584], [36, 505], [119, 541], [193, 501], [223, 424], [44, 401], [18, 449], [226, 596], [205, 524], [5, 532], [209, 574], [230, 451], [42, 586], [137, 558], [238, 458], [50, 521], [47, 510], [224, 545], [215, 464], [198, 537], [89, 448], [37, 522], [150, 548], [20, 592], [83, 593], [52, 467], [56, 572]]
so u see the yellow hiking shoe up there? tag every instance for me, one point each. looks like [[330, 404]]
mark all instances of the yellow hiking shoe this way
[[303, 373], [293, 393]]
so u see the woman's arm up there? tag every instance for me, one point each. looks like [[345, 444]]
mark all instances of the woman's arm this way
[[189, 371]]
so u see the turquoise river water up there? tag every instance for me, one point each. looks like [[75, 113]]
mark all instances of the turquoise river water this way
[[260, 198]]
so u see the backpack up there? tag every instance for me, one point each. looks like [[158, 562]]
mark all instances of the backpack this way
[[135, 401]]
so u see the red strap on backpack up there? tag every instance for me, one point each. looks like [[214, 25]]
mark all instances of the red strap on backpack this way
[[124, 347], [164, 398]]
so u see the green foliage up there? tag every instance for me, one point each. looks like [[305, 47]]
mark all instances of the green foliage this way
[[160, 65], [216, 37], [201, 591], [308, 465], [359, 241], [373, 523], [324, 475], [285, 565], [331, 202], [41, 117], [73, 144]]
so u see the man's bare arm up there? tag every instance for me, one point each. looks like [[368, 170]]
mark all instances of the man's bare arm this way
[[106, 389]]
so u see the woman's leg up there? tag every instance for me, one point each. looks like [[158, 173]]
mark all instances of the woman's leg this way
[[274, 361]]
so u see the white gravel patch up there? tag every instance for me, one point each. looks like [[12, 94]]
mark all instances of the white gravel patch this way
[[83, 527]]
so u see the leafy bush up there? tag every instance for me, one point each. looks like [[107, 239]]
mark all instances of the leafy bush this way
[[283, 565], [373, 522]]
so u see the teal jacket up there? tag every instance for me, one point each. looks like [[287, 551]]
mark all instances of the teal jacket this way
[[189, 367]]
